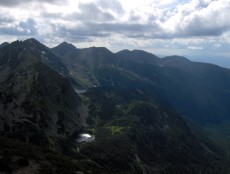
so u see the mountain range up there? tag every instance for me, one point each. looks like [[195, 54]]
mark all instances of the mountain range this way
[[141, 109], [198, 91]]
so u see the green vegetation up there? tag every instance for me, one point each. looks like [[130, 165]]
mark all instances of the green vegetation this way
[[135, 129], [139, 130], [219, 134], [115, 129]]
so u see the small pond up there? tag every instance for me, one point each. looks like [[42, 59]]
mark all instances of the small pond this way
[[84, 137]]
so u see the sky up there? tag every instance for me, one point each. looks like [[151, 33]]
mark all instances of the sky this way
[[197, 29]]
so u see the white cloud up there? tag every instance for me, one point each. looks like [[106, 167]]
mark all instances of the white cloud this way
[[195, 48], [179, 24], [199, 18]]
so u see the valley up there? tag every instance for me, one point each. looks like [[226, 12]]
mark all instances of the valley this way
[[71, 110]]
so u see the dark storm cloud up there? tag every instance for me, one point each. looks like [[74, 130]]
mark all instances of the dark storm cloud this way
[[14, 3], [26, 28]]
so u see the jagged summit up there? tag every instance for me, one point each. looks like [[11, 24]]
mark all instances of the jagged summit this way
[[31, 40], [34, 45], [64, 46]]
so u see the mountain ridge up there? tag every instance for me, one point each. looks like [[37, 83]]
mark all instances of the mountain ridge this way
[[125, 108], [24, 84], [139, 67]]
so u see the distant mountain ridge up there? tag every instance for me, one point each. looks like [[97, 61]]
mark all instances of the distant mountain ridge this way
[[199, 91], [126, 105]]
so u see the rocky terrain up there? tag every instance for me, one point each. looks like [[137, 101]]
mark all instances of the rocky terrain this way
[[132, 103]]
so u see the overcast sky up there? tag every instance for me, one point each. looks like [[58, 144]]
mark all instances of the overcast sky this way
[[164, 27]]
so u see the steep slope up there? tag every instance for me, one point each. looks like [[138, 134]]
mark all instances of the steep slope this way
[[135, 132], [204, 90], [46, 56], [199, 91], [37, 104], [133, 129], [97, 66]]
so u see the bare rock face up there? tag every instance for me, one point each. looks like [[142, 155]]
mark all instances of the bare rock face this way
[[37, 102]]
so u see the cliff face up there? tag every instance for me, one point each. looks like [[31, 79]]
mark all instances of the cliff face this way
[[37, 103]]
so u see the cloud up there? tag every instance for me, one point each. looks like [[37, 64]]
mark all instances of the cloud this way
[[29, 26], [24, 28], [92, 12], [81, 33], [210, 21], [101, 19], [9, 3], [199, 18], [187, 24], [195, 48], [195, 18], [14, 3], [88, 30], [111, 5], [5, 19]]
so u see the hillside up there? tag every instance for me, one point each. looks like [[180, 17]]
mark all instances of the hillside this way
[[124, 112], [198, 91], [136, 132], [37, 103]]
